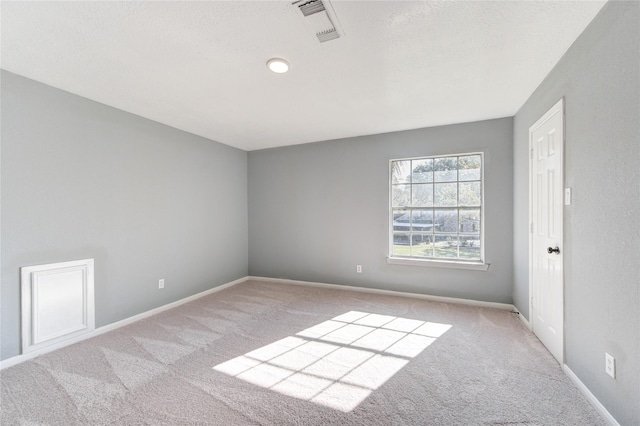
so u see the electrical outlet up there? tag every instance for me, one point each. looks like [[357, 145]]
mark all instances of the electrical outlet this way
[[161, 283], [359, 269], [610, 365]]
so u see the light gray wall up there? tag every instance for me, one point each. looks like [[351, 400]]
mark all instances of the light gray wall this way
[[146, 201], [317, 210], [599, 78]]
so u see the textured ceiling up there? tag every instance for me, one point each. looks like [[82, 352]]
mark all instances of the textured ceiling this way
[[200, 66]]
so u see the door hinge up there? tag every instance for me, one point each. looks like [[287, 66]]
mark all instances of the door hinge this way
[[531, 228], [531, 154]]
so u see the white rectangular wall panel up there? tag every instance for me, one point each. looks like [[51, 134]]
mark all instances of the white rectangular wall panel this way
[[57, 303]]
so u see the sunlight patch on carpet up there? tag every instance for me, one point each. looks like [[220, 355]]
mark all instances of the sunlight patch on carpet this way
[[338, 362]]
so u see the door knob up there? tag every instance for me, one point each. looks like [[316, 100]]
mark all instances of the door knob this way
[[553, 250]]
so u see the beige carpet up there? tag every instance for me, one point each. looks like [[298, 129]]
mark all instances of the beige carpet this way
[[275, 354]]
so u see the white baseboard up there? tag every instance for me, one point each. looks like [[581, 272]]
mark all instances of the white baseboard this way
[[26, 357], [590, 397], [505, 306], [98, 331], [524, 320]]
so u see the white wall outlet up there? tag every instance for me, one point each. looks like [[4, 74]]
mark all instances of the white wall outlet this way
[[610, 365], [161, 283], [359, 269]]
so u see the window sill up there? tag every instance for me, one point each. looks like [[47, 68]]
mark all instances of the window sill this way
[[475, 266]]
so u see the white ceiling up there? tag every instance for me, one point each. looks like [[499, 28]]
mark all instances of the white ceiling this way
[[200, 66]]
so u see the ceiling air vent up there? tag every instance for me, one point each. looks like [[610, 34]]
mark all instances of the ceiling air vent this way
[[319, 17]]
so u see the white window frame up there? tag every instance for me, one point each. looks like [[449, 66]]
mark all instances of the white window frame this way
[[479, 265]]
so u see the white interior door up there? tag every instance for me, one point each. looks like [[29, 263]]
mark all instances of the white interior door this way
[[546, 143]]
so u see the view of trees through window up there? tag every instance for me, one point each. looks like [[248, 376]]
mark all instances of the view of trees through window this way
[[436, 207]]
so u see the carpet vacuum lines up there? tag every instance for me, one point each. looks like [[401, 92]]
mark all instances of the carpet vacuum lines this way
[[265, 353]]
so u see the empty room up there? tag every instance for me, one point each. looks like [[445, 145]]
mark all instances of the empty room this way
[[320, 212]]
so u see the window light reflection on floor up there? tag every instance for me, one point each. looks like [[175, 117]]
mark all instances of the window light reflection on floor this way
[[339, 362]]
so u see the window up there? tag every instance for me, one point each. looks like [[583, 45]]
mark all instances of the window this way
[[436, 208]]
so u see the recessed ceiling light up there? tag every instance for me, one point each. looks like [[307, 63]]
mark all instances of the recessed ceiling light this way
[[278, 65]]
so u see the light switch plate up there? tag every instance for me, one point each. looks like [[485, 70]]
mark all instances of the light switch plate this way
[[567, 196]]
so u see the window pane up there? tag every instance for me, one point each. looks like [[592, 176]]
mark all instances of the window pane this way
[[401, 171], [401, 244], [445, 169], [445, 194], [469, 194], [446, 246], [401, 220], [470, 221], [401, 195], [470, 247], [446, 221], [422, 171], [422, 221], [469, 167], [421, 245], [422, 195], [437, 207]]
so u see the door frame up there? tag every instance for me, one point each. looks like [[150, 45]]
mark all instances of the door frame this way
[[557, 107]]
